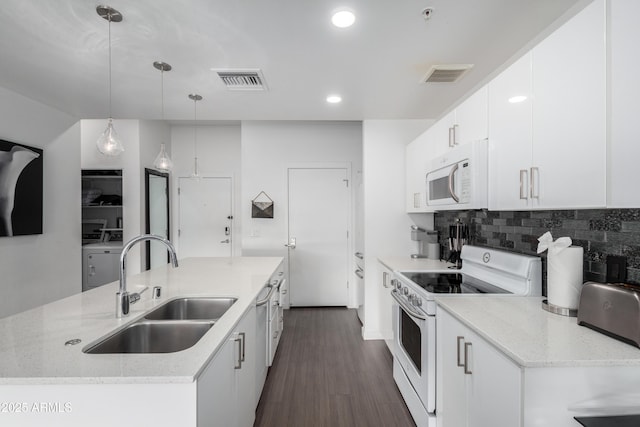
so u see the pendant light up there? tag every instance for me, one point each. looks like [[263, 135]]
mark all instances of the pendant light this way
[[109, 143], [162, 162], [195, 98]]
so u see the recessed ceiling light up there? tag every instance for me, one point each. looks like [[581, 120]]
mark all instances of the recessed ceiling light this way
[[334, 99], [343, 18], [518, 98]]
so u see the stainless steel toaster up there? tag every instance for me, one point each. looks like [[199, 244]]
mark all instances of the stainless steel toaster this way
[[613, 309]]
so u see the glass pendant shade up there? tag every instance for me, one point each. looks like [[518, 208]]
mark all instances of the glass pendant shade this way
[[109, 143], [163, 162]]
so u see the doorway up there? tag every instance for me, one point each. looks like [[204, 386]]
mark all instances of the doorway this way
[[319, 229], [205, 217], [156, 192]]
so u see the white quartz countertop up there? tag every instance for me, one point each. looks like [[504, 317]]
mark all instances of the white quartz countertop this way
[[32, 343], [407, 263], [533, 337]]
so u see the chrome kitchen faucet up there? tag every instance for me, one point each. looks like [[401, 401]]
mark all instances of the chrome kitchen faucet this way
[[123, 298]]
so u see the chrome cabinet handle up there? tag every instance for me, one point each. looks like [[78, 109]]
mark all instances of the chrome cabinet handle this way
[[524, 175], [238, 364], [459, 340], [359, 255], [534, 194], [242, 338], [385, 277], [467, 371], [451, 137], [455, 134], [225, 241], [358, 273], [451, 190]]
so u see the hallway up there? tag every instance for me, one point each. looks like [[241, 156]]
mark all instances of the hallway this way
[[325, 374]]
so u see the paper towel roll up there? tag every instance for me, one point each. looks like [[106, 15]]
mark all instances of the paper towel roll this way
[[564, 276]]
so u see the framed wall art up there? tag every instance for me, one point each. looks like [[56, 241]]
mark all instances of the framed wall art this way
[[21, 182]]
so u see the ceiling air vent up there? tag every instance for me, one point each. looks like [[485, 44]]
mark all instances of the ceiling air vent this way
[[242, 79], [446, 73]]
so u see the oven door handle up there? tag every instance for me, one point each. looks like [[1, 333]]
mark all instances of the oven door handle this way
[[406, 307]]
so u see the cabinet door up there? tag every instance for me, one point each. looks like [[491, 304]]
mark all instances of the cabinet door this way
[[416, 162], [451, 402], [217, 400], [569, 113], [624, 173], [439, 135], [493, 385], [472, 118], [510, 136], [246, 374], [476, 384]]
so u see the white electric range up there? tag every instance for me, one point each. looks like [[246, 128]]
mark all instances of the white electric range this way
[[484, 271]]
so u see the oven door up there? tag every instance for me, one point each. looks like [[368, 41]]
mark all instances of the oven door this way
[[415, 342]]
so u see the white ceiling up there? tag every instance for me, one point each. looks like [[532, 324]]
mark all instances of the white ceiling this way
[[56, 52]]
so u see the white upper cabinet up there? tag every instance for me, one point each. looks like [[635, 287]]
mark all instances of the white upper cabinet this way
[[416, 164], [467, 123], [624, 173], [510, 136], [472, 118], [549, 150], [569, 114]]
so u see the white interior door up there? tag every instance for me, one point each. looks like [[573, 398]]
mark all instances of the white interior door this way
[[205, 217], [319, 206]]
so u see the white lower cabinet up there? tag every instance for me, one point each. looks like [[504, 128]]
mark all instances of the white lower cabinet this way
[[226, 387], [476, 384]]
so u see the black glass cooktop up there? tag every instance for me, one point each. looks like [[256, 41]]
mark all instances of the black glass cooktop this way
[[451, 283]]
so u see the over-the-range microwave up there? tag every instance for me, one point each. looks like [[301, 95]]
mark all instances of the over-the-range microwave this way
[[458, 179]]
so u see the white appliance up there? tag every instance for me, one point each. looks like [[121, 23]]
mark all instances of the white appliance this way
[[100, 264], [484, 271], [458, 179]]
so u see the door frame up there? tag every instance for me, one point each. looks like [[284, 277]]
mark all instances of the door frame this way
[[229, 176], [147, 216], [352, 288]]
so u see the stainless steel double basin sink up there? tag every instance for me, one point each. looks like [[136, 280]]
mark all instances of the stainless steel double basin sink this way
[[174, 326]]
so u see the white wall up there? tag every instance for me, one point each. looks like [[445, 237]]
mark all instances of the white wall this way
[[268, 148], [132, 173], [386, 223], [42, 268], [218, 155]]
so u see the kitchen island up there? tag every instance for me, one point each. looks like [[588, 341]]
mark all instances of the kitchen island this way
[[503, 360], [45, 382]]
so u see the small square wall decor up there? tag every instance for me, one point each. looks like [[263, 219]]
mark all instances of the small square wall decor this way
[[20, 189]]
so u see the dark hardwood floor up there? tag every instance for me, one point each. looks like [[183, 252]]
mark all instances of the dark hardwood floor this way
[[325, 374]]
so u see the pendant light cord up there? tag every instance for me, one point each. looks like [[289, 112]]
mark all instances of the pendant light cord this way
[[195, 137], [110, 65]]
